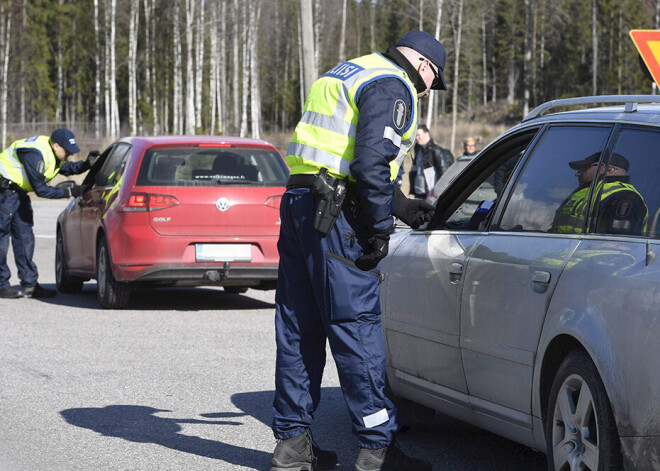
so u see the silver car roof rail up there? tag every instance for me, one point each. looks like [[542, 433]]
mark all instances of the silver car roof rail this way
[[631, 102]]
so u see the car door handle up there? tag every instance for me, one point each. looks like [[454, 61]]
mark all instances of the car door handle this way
[[540, 281], [455, 272], [541, 277]]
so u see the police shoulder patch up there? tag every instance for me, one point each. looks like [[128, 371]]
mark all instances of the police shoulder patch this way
[[41, 167], [623, 209], [399, 114]]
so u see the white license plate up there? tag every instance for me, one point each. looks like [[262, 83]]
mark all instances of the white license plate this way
[[223, 252]]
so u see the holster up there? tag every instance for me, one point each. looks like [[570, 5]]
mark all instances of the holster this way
[[331, 192]]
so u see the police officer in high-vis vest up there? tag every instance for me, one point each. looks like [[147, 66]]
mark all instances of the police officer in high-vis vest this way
[[359, 122], [27, 165], [621, 208]]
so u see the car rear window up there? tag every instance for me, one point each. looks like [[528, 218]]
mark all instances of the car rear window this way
[[209, 166]]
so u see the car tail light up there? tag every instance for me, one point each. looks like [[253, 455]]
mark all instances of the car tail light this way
[[149, 202], [274, 201]]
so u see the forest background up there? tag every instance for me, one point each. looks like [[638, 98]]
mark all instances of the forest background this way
[[110, 68]]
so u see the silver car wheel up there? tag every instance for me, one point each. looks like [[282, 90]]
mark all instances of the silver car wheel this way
[[101, 272], [575, 427]]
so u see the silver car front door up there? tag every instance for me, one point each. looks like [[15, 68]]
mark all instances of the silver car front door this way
[[512, 274], [422, 322]]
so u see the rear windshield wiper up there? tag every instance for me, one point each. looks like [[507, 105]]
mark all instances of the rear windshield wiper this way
[[231, 181]]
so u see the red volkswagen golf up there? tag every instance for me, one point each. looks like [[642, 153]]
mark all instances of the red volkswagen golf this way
[[174, 211]]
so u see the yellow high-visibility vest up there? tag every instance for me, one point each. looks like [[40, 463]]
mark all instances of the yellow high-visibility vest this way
[[325, 134], [573, 213], [12, 168]]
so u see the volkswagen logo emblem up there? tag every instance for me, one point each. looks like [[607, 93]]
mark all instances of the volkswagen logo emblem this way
[[223, 204]]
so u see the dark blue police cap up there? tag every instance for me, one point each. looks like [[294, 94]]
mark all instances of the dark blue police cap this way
[[617, 160], [430, 48], [66, 139]]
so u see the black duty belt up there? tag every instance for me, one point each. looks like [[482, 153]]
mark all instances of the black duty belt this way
[[308, 181]]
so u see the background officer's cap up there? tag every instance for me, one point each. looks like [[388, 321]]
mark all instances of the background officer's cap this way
[[66, 139]]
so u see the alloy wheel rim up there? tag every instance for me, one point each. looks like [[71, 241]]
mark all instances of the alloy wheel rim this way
[[575, 427], [101, 275]]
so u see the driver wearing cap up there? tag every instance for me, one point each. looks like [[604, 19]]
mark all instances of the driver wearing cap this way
[[27, 165], [621, 209]]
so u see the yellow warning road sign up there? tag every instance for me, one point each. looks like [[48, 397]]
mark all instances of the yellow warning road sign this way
[[647, 42]]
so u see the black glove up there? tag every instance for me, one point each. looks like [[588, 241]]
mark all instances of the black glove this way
[[411, 211], [77, 190], [90, 160], [379, 245]]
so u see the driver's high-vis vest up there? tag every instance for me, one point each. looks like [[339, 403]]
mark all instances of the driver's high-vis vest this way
[[325, 135], [12, 169], [572, 214]]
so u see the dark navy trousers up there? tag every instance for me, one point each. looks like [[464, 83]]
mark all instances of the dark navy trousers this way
[[16, 221], [322, 294]]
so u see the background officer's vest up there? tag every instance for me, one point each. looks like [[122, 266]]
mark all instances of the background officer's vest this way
[[574, 212], [12, 169], [325, 135]]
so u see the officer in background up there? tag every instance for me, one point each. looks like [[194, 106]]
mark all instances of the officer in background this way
[[431, 161], [27, 165], [621, 209], [359, 121]]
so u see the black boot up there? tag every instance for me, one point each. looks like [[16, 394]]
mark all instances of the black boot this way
[[9, 293], [390, 458], [301, 453], [37, 291]]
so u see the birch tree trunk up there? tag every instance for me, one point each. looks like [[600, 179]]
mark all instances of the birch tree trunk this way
[[255, 96], [307, 47], [236, 88], [152, 65], [112, 79], [484, 63], [342, 35], [594, 42], [213, 62], [199, 63], [433, 94], [222, 76], [372, 26], [97, 74], [245, 85], [132, 65], [106, 76], [24, 21], [529, 4], [319, 20], [512, 57], [454, 112], [190, 81], [5, 40], [60, 72], [177, 99], [420, 20]]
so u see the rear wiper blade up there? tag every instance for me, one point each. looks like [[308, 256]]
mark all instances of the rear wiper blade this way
[[231, 181]]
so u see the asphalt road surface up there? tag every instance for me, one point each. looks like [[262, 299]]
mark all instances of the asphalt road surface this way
[[181, 380]]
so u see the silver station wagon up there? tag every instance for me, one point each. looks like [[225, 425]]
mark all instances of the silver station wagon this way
[[529, 305]]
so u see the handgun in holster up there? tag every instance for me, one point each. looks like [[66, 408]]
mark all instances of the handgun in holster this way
[[331, 199]]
